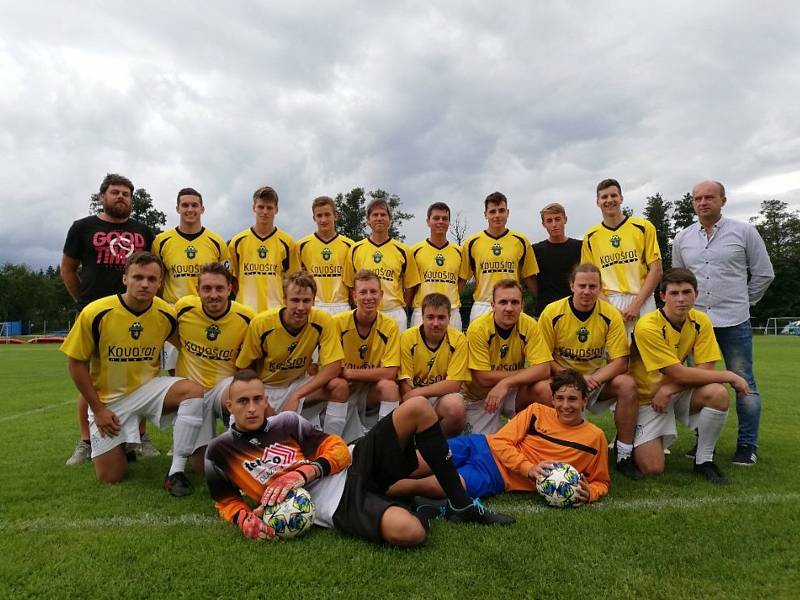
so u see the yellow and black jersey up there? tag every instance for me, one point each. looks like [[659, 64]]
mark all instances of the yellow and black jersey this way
[[423, 365], [583, 340], [209, 345], [439, 269], [490, 259], [259, 264], [325, 261], [657, 343], [622, 253], [183, 254], [122, 347], [491, 348], [283, 356], [379, 348], [391, 261]]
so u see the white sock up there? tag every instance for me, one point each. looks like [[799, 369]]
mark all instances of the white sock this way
[[184, 434], [623, 450], [335, 417], [709, 424], [386, 408]]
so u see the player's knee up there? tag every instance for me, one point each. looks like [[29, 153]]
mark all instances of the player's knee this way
[[388, 390], [716, 396], [338, 390], [649, 465], [405, 533], [542, 394], [186, 389], [625, 388], [452, 414], [110, 476]]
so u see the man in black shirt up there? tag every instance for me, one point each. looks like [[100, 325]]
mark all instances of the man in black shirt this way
[[556, 256]]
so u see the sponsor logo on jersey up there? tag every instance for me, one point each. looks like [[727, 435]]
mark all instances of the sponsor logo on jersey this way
[[326, 254], [177, 271], [362, 351], [136, 330], [212, 332], [262, 251], [618, 258], [498, 266], [581, 354], [211, 353], [191, 252], [377, 257], [583, 335], [503, 350], [615, 241], [259, 269], [440, 260], [431, 276], [496, 249], [132, 353], [274, 458]]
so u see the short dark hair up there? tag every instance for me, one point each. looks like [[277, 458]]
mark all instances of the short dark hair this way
[[115, 179], [438, 206], [584, 268], [607, 183], [142, 259], [215, 268], [569, 377], [507, 284], [677, 275], [494, 198], [302, 279], [189, 192], [266, 194], [435, 300]]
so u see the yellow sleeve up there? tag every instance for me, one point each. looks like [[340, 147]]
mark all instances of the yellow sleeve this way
[[478, 350], [529, 265], [348, 270], [392, 356], [466, 271], [294, 257], [457, 368], [411, 276], [251, 347], [406, 360], [617, 341], [654, 350], [706, 349], [80, 342], [505, 443], [586, 253], [652, 252], [234, 263], [330, 346], [546, 331], [224, 254], [536, 351]]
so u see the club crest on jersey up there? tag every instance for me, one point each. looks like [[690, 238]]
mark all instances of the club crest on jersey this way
[[262, 252], [326, 254], [212, 332], [583, 335], [503, 350], [136, 330], [377, 257], [440, 260], [615, 241], [496, 249], [362, 351], [191, 252], [291, 347]]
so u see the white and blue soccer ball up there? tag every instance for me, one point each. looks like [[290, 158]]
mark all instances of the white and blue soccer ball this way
[[293, 516], [559, 487]]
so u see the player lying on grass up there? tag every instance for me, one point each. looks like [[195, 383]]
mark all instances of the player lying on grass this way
[[662, 342], [512, 459], [263, 456], [114, 352]]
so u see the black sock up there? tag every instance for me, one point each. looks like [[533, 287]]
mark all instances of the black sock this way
[[433, 447]]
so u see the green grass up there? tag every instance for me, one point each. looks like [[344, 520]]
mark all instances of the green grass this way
[[64, 535]]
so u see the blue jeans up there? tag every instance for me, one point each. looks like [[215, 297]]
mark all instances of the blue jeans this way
[[736, 343]]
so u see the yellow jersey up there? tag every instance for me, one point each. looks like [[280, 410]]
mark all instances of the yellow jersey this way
[[379, 348], [259, 265], [209, 345], [423, 365], [583, 341], [656, 344], [391, 261], [490, 259], [283, 356], [439, 269], [183, 254], [622, 253], [122, 347], [491, 348], [325, 261]]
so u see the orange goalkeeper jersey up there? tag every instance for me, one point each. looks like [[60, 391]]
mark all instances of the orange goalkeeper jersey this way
[[535, 435]]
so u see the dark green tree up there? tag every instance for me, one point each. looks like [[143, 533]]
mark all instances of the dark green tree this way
[[352, 209], [627, 211], [657, 211], [682, 213], [142, 209]]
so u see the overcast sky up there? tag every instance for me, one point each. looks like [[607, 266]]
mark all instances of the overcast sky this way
[[444, 103]]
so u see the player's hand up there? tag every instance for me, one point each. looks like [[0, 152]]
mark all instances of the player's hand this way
[[631, 313], [660, 401], [312, 369], [107, 422], [495, 397], [740, 385], [583, 493], [292, 404], [540, 470], [281, 485], [591, 382], [253, 527]]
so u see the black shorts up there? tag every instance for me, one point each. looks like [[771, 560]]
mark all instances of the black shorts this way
[[378, 462]]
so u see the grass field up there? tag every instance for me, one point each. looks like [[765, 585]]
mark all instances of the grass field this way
[[66, 536]]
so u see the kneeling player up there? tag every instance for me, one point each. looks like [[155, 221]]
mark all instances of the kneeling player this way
[[264, 456], [433, 363], [526, 447], [114, 352], [662, 341]]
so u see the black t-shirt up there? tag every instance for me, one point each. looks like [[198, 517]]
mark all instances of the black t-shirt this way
[[555, 264], [102, 249]]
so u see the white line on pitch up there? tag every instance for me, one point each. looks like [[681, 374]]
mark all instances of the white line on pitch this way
[[36, 410], [110, 522]]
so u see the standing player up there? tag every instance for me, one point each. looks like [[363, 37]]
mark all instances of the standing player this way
[[495, 254], [99, 245], [439, 265], [734, 271], [323, 254], [556, 256], [587, 335], [261, 255], [371, 346], [183, 250], [389, 259], [662, 341], [500, 344], [263, 457], [281, 343], [625, 249], [211, 330], [114, 350], [433, 363]]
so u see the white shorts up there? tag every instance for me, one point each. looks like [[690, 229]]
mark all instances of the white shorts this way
[[455, 318], [213, 403], [623, 301], [480, 421], [652, 425], [278, 395], [169, 357], [146, 401], [399, 316], [478, 309], [596, 405], [333, 308]]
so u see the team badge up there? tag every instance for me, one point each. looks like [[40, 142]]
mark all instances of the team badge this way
[[191, 252], [615, 241], [503, 350], [377, 257], [136, 330], [583, 335], [497, 249], [326, 254], [362, 351], [212, 332], [262, 252], [291, 347], [440, 260]]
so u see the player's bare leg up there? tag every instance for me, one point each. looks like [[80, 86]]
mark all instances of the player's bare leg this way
[[111, 466], [400, 528], [649, 457], [384, 394], [626, 413], [542, 393], [83, 450], [452, 415]]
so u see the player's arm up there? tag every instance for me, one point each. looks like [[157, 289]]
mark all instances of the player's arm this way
[[654, 273], [525, 376], [438, 389], [408, 295], [607, 372], [506, 444], [315, 384], [69, 275], [532, 284], [105, 419], [370, 375], [231, 506]]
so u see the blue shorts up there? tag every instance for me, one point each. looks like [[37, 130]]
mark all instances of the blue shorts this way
[[475, 463]]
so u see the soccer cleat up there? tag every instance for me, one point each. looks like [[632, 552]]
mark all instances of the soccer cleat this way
[[711, 473], [477, 513], [178, 485], [691, 453], [745, 456], [81, 454], [628, 468], [427, 510], [147, 449]]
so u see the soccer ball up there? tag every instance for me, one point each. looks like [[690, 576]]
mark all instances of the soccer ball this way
[[291, 517], [560, 486]]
